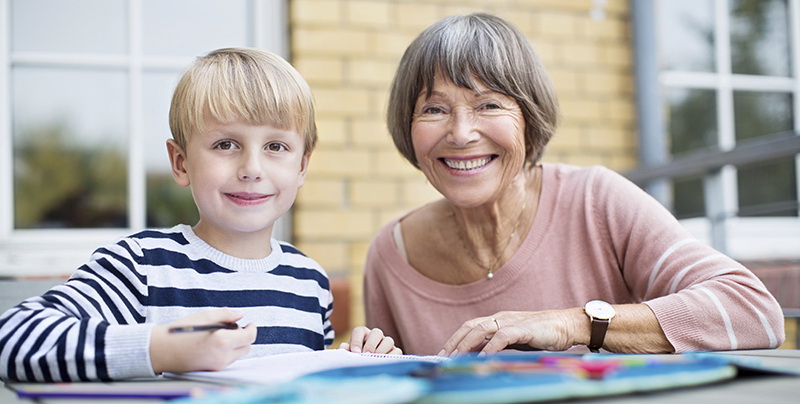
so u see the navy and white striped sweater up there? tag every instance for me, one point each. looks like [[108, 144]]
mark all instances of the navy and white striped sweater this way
[[97, 325]]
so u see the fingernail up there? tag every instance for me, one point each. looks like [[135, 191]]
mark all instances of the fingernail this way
[[454, 353], [481, 353], [441, 353]]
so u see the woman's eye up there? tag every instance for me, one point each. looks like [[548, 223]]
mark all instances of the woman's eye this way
[[491, 105], [432, 110], [225, 145], [276, 147]]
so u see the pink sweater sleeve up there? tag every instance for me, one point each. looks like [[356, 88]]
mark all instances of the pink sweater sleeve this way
[[702, 299]]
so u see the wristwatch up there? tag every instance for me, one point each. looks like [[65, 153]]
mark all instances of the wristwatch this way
[[600, 313]]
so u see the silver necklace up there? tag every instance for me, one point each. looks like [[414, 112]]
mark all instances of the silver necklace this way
[[490, 269]]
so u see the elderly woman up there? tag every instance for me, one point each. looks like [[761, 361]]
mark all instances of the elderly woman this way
[[523, 254]]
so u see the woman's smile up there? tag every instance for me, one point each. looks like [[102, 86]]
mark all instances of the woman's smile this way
[[467, 163]]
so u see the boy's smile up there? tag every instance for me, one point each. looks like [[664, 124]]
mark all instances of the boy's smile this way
[[243, 178]]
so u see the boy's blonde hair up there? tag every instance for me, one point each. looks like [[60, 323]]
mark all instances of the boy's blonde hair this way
[[242, 84]]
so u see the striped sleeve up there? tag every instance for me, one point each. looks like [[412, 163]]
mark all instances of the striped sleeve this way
[[65, 334], [702, 299]]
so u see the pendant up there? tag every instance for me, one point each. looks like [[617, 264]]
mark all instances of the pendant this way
[[489, 275]]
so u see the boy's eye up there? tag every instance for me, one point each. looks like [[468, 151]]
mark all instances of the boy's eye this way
[[276, 147], [225, 145]]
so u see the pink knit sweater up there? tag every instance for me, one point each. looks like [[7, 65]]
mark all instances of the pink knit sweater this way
[[595, 236]]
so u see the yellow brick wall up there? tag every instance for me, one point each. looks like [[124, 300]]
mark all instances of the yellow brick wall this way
[[348, 50]]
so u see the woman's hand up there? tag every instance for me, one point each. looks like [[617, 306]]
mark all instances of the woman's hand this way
[[200, 350], [363, 339], [549, 330]]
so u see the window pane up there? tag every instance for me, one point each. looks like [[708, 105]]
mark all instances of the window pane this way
[[687, 34], [760, 37], [193, 27], [759, 114], [768, 188], [167, 203], [82, 26], [692, 119], [70, 137], [688, 197]]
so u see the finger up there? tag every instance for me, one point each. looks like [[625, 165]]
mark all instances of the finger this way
[[374, 338], [396, 351], [458, 336], [477, 337], [503, 338], [385, 346], [224, 315], [357, 337], [345, 346]]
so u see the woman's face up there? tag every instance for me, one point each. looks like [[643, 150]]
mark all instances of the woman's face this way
[[470, 144]]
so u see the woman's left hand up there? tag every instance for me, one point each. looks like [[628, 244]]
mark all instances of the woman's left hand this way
[[548, 330], [364, 339]]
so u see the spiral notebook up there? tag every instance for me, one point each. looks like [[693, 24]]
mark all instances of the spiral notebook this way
[[276, 369]]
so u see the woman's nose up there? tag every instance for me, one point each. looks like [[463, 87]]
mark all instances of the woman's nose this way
[[462, 129]]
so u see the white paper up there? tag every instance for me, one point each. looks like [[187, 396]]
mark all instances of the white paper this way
[[275, 369]]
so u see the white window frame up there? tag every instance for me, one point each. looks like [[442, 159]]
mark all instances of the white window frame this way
[[745, 238], [58, 252]]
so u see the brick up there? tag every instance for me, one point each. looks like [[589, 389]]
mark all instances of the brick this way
[[340, 163], [306, 12], [391, 44], [389, 163], [556, 26], [330, 41], [373, 193], [320, 70], [418, 191], [331, 255], [370, 71], [371, 132], [341, 101], [330, 132], [606, 83], [368, 13], [566, 82], [580, 54], [577, 109], [416, 15], [321, 192], [333, 225]]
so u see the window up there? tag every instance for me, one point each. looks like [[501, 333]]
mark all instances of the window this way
[[728, 73], [84, 117]]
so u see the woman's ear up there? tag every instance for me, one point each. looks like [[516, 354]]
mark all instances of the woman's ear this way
[[177, 160]]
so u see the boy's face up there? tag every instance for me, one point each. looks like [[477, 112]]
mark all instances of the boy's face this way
[[243, 177]]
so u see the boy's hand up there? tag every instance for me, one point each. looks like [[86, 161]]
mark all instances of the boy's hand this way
[[365, 340], [200, 350]]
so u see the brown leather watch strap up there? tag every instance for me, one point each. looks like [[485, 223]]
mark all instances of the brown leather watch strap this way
[[599, 328]]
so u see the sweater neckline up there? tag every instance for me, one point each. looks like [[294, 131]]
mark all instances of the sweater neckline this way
[[484, 288], [230, 262]]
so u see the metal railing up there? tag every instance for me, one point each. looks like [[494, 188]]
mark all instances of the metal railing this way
[[709, 163]]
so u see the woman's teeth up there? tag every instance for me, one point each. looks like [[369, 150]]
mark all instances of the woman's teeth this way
[[467, 164]]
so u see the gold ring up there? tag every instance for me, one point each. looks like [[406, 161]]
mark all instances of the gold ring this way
[[496, 323]]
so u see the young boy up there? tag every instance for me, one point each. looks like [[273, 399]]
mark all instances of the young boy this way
[[243, 131]]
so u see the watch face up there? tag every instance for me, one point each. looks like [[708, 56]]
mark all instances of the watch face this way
[[599, 309]]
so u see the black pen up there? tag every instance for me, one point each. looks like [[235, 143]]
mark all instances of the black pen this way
[[207, 327]]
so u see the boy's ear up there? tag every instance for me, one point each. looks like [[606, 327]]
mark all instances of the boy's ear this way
[[177, 160], [304, 168]]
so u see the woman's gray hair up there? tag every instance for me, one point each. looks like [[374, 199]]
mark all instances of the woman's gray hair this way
[[470, 49]]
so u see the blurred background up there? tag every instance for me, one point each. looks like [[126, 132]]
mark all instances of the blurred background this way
[[695, 100]]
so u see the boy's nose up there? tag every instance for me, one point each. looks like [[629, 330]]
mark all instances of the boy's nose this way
[[250, 169]]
